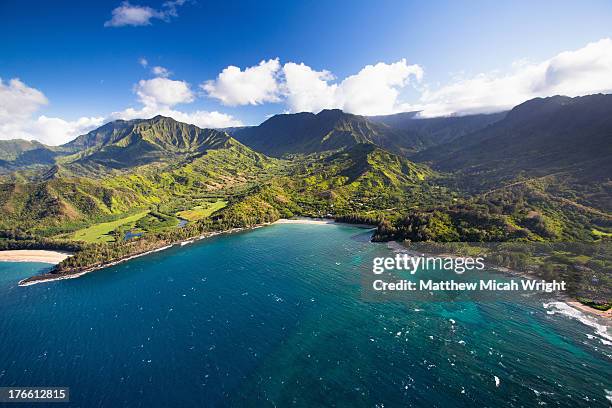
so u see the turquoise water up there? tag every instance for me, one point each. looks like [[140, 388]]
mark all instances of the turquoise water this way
[[275, 317]]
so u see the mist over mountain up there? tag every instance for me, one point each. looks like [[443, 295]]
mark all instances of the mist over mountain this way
[[537, 137], [437, 131]]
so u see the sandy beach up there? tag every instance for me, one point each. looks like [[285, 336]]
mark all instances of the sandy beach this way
[[319, 221], [606, 314], [315, 221], [33, 255]]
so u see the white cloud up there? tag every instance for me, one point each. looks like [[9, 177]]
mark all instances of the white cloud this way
[[203, 119], [163, 92], [374, 90], [158, 97], [19, 102], [132, 15], [160, 72], [253, 86], [584, 71], [377, 89], [143, 62], [56, 131], [308, 90]]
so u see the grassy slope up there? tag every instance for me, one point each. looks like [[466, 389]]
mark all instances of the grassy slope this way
[[202, 211], [100, 232]]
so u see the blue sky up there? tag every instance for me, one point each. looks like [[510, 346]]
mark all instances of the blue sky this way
[[439, 57]]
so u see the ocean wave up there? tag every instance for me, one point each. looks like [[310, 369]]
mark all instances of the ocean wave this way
[[566, 310]]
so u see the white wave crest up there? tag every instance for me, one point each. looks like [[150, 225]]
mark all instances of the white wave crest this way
[[564, 309]]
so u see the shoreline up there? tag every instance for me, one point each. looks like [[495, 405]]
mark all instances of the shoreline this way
[[51, 277], [319, 221], [55, 257], [34, 255], [604, 314], [571, 302]]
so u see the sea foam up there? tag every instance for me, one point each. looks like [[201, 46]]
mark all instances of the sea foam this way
[[565, 309]]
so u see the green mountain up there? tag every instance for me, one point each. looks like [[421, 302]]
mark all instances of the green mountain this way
[[363, 178], [126, 144], [18, 154], [436, 131], [403, 133], [537, 138], [340, 164], [540, 172], [127, 166], [305, 133]]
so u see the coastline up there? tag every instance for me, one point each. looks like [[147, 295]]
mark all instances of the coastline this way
[[319, 221], [34, 255], [55, 257], [51, 277], [606, 315]]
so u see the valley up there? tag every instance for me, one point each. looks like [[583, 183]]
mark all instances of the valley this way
[[538, 173]]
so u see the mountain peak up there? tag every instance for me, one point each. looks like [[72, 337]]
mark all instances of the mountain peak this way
[[331, 112]]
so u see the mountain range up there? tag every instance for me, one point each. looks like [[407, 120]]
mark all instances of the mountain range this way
[[539, 171]]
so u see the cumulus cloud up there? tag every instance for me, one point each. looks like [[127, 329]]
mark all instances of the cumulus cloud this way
[[163, 92], [308, 90], [584, 71], [56, 131], [143, 62], [253, 86], [17, 100], [158, 96], [377, 89], [373, 90], [132, 15], [19, 103]]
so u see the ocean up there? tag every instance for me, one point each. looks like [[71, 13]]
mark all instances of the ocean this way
[[276, 317]]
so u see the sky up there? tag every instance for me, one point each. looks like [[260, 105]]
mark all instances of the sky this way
[[68, 67]]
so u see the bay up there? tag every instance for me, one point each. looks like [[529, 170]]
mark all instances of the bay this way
[[275, 317]]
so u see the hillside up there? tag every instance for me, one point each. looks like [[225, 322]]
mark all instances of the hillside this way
[[19, 154], [538, 173], [436, 131], [537, 138], [403, 133], [305, 133], [125, 144], [363, 178], [164, 164]]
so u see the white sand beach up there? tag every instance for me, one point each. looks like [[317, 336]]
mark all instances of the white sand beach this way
[[606, 314], [33, 255], [316, 221]]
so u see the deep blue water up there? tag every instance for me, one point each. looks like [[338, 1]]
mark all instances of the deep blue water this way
[[275, 317]]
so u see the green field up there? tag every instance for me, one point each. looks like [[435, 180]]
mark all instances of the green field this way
[[99, 232], [202, 211]]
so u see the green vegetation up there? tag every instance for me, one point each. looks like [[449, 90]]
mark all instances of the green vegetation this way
[[202, 211], [100, 232], [140, 178], [595, 305]]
